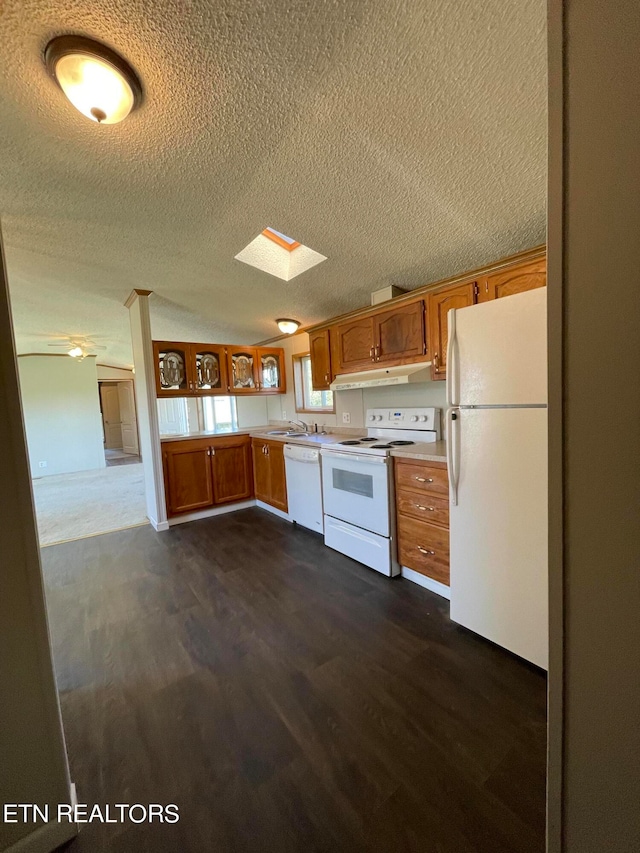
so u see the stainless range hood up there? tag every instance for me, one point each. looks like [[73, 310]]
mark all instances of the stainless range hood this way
[[403, 374]]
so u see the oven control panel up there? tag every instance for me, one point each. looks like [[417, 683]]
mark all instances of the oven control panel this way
[[421, 418]]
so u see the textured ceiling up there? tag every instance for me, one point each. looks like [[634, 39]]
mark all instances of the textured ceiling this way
[[406, 141]]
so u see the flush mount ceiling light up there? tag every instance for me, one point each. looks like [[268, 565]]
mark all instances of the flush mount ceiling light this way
[[288, 327], [98, 82], [76, 352], [273, 252]]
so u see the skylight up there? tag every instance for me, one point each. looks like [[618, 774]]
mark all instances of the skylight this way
[[275, 253]]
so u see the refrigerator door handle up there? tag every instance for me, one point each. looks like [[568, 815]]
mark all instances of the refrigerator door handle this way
[[451, 383], [453, 452]]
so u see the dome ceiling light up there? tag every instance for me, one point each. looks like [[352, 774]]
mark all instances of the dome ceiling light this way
[[98, 82], [288, 327]]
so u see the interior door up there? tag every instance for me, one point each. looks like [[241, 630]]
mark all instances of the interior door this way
[[128, 419], [399, 333], [111, 416]]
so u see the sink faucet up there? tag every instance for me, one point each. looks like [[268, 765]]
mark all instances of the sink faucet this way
[[305, 427]]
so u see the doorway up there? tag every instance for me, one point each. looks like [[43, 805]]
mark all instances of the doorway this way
[[119, 422]]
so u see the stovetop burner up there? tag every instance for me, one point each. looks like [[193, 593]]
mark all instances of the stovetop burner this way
[[350, 441], [381, 446], [400, 443], [369, 439]]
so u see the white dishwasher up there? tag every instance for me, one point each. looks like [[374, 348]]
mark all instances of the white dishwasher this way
[[304, 486]]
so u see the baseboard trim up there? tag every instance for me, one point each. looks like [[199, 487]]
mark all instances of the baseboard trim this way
[[206, 513], [45, 838], [159, 526], [427, 583], [274, 510]]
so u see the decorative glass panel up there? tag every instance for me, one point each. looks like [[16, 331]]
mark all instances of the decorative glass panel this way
[[242, 367], [172, 369], [270, 365], [208, 371]]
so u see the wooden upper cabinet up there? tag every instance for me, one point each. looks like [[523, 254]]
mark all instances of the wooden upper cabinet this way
[[243, 369], [173, 368], [438, 306], [271, 372], [187, 472], [515, 279], [399, 334], [209, 364], [354, 344], [320, 353], [232, 469]]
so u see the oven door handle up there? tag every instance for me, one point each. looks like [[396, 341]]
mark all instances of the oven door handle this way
[[356, 457]]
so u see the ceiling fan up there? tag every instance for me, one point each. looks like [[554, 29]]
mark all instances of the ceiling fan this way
[[78, 347]]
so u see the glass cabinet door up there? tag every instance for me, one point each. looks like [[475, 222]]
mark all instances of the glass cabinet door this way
[[172, 368], [271, 367], [210, 369], [242, 364]]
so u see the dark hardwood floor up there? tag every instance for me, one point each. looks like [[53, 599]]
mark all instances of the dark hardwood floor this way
[[285, 698]]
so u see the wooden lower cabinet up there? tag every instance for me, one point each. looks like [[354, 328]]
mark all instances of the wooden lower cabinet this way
[[201, 473], [270, 480], [422, 517]]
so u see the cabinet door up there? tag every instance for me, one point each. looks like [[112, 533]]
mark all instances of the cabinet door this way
[[209, 369], [515, 279], [277, 475], [355, 344], [438, 306], [188, 478], [272, 378], [173, 369], [232, 469], [243, 369], [320, 352], [399, 333], [261, 478]]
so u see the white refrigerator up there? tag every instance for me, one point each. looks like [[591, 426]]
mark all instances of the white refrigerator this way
[[497, 457]]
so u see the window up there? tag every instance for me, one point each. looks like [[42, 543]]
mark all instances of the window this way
[[219, 413], [179, 415], [308, 400]]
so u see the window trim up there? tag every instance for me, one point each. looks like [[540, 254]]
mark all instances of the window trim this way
[[298, 387]]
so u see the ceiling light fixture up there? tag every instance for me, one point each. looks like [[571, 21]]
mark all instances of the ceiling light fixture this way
[[98, 82], [76, 352], [288, 327]]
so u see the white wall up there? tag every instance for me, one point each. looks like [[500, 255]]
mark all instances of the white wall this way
[[113, 374], [252, 411], [62, 414], [354, 402]]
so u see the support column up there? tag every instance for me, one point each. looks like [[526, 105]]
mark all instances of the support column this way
[[148, 426]]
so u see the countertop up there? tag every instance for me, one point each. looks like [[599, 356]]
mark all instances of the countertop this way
[[435, 451]]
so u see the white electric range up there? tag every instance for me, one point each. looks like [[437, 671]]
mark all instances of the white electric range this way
[[357, 485]]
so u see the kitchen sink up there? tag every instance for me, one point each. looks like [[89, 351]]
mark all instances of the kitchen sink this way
[[291, 432]]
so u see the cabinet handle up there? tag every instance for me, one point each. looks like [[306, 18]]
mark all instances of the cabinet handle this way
[[424, 479], [425, 551], [326, 377], [436, 362], [376, 352], [425, 508], [372, 351], [211, 451]]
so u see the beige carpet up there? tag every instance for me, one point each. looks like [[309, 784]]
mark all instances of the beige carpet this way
[[73, 506]]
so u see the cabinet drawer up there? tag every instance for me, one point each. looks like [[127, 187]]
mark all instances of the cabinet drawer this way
[[421, 477], [424, 548], [429, 508]]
